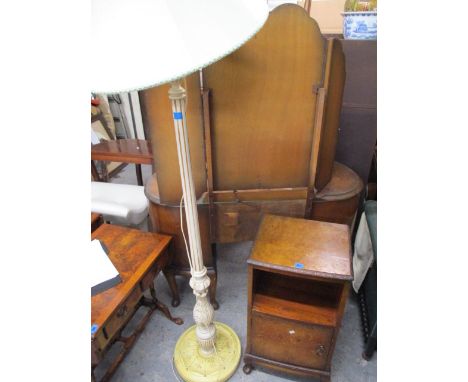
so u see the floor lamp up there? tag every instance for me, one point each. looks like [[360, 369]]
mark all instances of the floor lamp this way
[[165, 40]]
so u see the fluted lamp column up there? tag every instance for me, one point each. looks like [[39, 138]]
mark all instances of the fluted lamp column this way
[[207, 351], [162, 41], [203, 312]]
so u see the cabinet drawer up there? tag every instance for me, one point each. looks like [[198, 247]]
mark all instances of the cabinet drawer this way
[[290, 342], [123, 313]]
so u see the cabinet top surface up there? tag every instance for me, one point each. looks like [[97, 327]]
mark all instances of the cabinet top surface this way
[[302, 246], [132, 252]]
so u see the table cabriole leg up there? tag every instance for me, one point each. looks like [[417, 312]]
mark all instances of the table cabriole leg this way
[[127, 341], [163, 308], [371, 345], [212, 289], [170, 277], [139, 174]]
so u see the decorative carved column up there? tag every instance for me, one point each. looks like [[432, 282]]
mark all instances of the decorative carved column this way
[[203, 312]]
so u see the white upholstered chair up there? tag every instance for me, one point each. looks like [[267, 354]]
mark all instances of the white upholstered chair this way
[[123, 204]]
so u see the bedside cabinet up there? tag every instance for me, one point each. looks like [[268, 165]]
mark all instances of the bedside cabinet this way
[[298, 279]]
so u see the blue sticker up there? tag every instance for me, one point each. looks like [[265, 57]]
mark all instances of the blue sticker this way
[[94, 328], [299, 265], [177, 115]]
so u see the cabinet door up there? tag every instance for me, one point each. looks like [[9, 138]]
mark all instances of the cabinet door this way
[[290, 342]]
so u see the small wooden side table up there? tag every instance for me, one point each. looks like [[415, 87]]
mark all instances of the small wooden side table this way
[[136, 151], [139, 257], [298, 279]]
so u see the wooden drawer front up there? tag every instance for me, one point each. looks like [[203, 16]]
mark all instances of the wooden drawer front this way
[[100, 341], [290, 342], [123, 313]]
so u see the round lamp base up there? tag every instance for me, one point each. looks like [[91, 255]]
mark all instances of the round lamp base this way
[[192, 366]]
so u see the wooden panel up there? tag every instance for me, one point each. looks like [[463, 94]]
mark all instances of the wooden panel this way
[[345, 183], [166, 219], [293, 310], [290, 342], [99, 344], [263, 104], [238, 213], [358, 130], [239, 221], [314, 154], [157, 115], [337, 211], [361, 69], [340, 312], [123, 150], [335, 75], [322, 248]]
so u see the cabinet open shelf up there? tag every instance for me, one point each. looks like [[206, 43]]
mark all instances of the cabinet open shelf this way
[[291, 310], [307, 300]]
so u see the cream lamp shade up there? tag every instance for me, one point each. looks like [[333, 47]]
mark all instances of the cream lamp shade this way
[[158, 41]]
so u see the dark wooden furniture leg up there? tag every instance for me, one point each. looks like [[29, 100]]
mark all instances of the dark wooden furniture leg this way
[[94, 172], [153, 304], [139, 174], [128, 342], [213, 281], [247, 369], [163, 308], [170, 274], [105, 173], [213, 278], [370, 348], [170, 277]]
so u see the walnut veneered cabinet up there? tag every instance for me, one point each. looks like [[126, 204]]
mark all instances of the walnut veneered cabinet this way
[[298, 279]]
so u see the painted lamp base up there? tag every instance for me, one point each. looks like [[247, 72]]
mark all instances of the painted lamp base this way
[[192, 366]]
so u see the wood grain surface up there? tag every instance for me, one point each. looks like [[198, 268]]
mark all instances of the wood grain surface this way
[[237, 214], [335, 76], [263, 104], [157, 115], [132, 252], [322, 249], [298, 283], [123, 150], [272, 339]]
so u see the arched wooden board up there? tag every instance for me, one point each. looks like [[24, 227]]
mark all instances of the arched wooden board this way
[[263, 104], [335, 75], [157, 116]]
